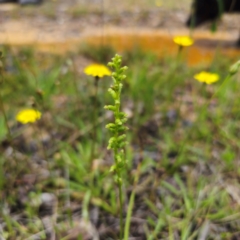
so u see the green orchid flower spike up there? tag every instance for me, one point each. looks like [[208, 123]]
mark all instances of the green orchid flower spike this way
[[117, 128]]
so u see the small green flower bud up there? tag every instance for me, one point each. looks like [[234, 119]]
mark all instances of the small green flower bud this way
[[110, 107], [122, 137], [112, 168], [111, 143], [123, 77], [119, 159], [120, 86], [123, 144], [234, 68], [117, 102], [113, 93], [118, 122], [118, 180], [110, 64], [110, 126]]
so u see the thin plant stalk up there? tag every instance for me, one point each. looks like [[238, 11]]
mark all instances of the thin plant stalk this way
[[131, 203], [95, 116], [2, 109], [129, 214], [121, 209]]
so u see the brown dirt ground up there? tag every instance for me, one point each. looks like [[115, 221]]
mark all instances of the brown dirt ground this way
[[68, 22]]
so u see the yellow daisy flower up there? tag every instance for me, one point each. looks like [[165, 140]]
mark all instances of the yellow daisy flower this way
[[97, 70], [206, 77], [183, 41], [28, 116]]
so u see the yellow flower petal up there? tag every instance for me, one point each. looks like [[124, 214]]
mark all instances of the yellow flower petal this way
[[206, 77], [28, 115], [97, 70], [183, 41]]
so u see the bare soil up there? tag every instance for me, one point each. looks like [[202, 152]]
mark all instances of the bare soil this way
[[63, 21]]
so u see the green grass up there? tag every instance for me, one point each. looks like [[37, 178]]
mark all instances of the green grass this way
[[182, 154]]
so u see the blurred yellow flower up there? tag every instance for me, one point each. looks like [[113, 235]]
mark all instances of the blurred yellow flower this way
[[158, 3], [207, 77], [97, 70], [28, 116], [183, 41]]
